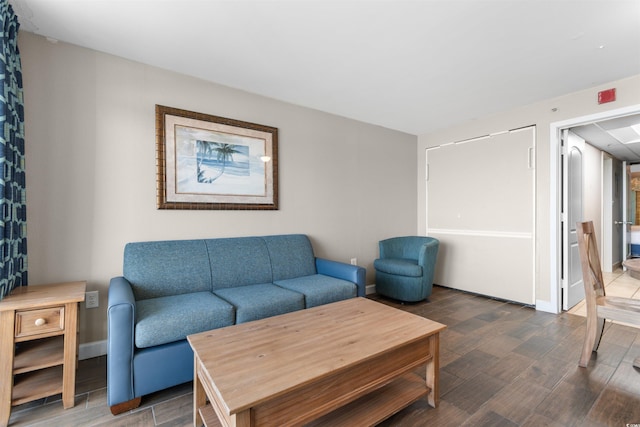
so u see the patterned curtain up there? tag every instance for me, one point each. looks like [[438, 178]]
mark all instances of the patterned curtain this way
[[13, 212]]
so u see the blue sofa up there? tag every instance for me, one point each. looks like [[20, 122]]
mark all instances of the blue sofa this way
[[171, 289]]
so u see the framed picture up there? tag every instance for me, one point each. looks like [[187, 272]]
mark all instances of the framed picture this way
[[210, 162]]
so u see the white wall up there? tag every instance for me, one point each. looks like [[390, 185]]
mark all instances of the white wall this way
[[542, 115], [592, 188], [91, 170]]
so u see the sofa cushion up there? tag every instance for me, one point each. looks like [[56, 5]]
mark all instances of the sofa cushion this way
[[157, 269], [401, 267], [238, 262], [172, 318], [291, 256], [254, 302], [319, 289]]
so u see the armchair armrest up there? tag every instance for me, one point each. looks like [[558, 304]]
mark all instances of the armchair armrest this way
[[428, 253], [423, 254], [341, 270], [121, 315]]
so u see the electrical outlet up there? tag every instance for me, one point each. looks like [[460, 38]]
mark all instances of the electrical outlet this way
[[92, 299], [354, 261]]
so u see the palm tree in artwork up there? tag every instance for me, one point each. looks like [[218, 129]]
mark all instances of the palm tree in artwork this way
[[224, 154]]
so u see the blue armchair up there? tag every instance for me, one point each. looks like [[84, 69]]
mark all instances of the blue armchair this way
[[406, 267]]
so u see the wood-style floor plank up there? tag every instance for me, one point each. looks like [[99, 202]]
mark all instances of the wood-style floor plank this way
[[501, 364]]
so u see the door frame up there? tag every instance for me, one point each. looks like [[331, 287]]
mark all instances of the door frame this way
[[607, 213], [625, 176], [572, 289], [554, 305]]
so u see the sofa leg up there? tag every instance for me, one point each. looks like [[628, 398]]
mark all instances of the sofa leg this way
[[125, 406]]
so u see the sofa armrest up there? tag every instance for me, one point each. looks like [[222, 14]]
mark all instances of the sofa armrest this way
[[341, 270], [121, 315]]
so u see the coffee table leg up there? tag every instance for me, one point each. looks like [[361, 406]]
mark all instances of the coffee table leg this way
[[199, 395], [433, 370], [242, 419]]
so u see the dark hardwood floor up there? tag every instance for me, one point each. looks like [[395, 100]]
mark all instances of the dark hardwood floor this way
[[501, 364]]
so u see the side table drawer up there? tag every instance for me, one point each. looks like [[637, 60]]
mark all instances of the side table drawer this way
[[42, 321]]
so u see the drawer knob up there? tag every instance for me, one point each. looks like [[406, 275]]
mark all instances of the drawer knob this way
[[40, 321]]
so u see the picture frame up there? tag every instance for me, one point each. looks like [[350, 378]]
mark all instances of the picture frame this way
[[215, 163]]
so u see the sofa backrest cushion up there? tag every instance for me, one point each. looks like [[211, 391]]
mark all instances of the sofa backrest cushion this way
[[238, 261], [291, 256], [170, 267]]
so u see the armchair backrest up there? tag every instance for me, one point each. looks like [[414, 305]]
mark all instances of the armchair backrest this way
[[419, 248]]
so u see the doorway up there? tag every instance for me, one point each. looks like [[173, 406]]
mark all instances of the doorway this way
[[574, 157], [556, 182]]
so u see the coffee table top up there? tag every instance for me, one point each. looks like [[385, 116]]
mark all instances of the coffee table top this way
[[252, 362]]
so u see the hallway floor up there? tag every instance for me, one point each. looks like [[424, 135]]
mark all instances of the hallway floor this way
[[617, 283]]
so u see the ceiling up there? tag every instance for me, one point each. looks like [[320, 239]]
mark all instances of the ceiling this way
[[415, 66], [620, 136]]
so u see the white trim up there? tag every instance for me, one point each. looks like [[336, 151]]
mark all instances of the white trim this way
[[545, 306], [479, 138], [606, 212], [554, 195], [534, 230], [482, 233], [370, 289], [92, 349]]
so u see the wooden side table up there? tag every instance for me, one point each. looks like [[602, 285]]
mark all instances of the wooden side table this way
[[38, 335]]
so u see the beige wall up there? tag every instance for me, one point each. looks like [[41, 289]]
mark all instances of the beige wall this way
[[90, 158], [542, 115], [90, 145]]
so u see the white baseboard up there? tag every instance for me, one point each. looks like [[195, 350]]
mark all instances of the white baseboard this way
[[370, 289], [92, 349], [546, 306]]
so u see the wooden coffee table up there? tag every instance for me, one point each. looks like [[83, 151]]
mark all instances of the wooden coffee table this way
[[348, 363]]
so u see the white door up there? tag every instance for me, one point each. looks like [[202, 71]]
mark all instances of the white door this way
[[608, 226], [572, 158], [625, 223], [480, 205]]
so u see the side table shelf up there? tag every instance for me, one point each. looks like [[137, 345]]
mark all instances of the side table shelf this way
[[38, 344], [36, 385], [38, 354]]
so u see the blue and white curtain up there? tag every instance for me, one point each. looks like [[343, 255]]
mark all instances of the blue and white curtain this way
[[13, 212]]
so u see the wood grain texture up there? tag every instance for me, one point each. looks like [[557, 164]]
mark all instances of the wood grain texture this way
[[32, 365], [7, 319], [373, 408], [36, 296], [27, 322], [294, 368], [30, 356], [600, 307], [525, 399]]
